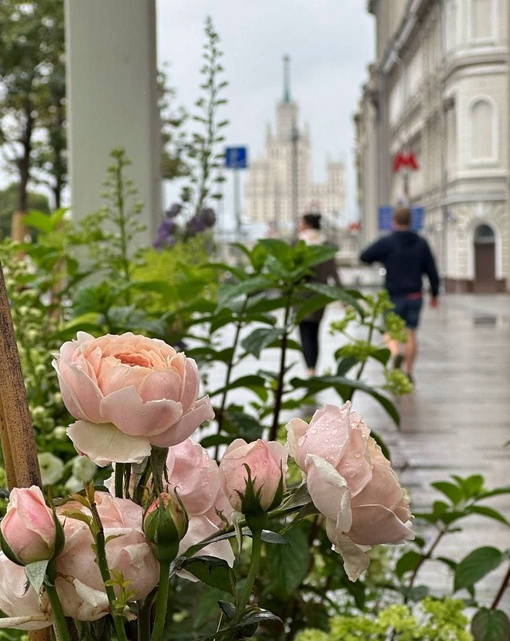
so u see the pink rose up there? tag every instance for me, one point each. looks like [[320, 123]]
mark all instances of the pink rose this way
[[20, 605], [79, 582], [351, 483], [28, 526], [267, 461], [128, 392], [195, 477]]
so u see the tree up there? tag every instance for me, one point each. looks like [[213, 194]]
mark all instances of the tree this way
[[32, 91], [8, 199]]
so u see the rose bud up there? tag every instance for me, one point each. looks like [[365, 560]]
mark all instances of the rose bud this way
[[30, 531], [253, 475], [165, 524]]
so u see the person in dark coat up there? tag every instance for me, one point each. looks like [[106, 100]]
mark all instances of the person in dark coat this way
[[310, 232], [406, 257]]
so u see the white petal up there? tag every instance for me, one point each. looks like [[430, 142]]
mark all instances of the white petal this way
[[103, 443]]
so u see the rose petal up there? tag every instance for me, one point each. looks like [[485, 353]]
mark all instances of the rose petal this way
[[72, 378], [105, 444], [373, 524], [356, 561], [327, 435], [329, 492], [185, 427], [129, 413]]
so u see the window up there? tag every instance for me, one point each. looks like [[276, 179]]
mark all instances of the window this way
[[483, 130]]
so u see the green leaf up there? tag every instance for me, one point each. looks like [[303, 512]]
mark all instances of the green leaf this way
[[453, 492], [488, 512], [259, 339], [287, 566], [345, 388], [334, 292], [309, 306], [407, 563], [251, 381], [230, 292], [268, 536], [476, 565], [346, 364], [472, 485], [36, 573], [212, 571], [490, 625]]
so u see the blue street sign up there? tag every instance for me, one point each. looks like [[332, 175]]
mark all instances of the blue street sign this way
[[236, 157], [386, 215]]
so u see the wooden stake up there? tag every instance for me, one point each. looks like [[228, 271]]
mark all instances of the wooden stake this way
[[16, 430]]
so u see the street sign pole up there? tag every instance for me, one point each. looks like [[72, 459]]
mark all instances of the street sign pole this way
[[236, 158], [237, 202]]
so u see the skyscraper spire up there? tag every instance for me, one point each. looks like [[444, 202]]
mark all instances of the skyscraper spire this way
[[286, 78]]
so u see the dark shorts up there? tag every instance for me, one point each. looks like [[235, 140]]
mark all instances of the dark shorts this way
[[408, 309]]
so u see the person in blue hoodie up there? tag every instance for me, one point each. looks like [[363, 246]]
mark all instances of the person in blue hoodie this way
[[406, 257]]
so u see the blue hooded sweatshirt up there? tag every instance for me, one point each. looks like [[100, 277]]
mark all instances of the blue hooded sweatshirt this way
[[406, 257]]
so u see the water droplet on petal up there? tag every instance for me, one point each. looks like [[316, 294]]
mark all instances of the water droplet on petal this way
[[301, 440], [357, 454]]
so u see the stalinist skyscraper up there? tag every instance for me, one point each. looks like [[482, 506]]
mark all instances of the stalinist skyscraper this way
[[279, 187]]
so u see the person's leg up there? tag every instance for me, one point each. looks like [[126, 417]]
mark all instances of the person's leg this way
[[309, 333], [393, 345], [412, 318], [410, 350]]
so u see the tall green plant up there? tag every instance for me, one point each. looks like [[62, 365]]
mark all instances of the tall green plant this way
[[204, 151]]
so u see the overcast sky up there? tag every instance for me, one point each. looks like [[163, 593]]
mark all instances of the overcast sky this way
[[330, 43]]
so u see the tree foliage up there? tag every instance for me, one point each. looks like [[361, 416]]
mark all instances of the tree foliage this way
[[32, 94]]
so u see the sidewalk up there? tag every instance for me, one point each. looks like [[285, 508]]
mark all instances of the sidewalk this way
[[457, 421]]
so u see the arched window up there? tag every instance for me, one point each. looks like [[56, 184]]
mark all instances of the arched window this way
[[484, 234], [482, 19], [483, 130]]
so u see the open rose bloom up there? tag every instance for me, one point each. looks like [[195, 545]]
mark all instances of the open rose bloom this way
[[351, 483], [128, 393]]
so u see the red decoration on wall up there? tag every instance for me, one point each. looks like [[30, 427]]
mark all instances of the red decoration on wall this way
[[403, 160]]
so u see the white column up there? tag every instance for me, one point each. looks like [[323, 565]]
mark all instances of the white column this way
[[112, 101]]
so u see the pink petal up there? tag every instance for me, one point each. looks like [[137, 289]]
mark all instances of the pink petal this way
[[356, 561], [374, 524], [80, 394], [329, 491], [126, 410], [181, 430]]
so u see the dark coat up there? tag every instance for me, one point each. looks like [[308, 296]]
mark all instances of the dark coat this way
[[325, 273]]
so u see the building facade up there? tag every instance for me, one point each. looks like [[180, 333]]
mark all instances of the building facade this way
[[439, 92], [279, 186]]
